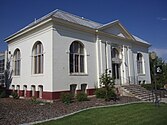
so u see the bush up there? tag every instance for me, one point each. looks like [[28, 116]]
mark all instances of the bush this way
[[111, 95], [151, 86], [3, 94], [35, 101], [107, 95], [100, 93], [15, 95], [82, 97], [66, 98]]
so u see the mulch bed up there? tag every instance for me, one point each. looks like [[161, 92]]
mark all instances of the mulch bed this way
[[21, 111]]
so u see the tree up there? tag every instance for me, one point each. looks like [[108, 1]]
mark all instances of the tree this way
[[108, 83], [8, 75], [161, 78]]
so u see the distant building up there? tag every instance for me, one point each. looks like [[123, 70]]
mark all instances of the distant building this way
[[62, 52], [2, 67]]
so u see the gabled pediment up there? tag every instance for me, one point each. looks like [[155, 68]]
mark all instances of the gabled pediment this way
[[116, 28]]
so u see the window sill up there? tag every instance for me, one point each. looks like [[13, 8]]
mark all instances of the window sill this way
[[141, 74], [78, 74], [37, 75]]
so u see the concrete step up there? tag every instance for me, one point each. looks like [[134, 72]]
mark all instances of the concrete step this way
[[139, 92]]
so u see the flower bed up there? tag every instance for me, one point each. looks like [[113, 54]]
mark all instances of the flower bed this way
[[24, 111]]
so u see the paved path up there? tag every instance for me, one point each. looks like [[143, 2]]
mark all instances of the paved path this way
[[164, 100]]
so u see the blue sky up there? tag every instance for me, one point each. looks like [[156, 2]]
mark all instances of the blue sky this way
[[146, 19]]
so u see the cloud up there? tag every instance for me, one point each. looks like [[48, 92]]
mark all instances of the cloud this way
[[160, 52], [162, 18]]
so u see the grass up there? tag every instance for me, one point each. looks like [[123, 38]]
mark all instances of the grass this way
[[132, 114]]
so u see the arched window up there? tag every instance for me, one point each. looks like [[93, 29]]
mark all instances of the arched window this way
[[37, 55], [115, 53], [77, 57], [16, 60], [140, 63]]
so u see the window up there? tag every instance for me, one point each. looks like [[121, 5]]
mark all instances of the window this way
[[40, 88], [33, 90], [139, 63], [25, 90], [13, 88], [115, 53], [38, 57], [76, 57], [83, 88], [18, 89], [73, 89], [16, 60]]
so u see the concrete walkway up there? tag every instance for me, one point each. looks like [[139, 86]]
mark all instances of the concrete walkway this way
[[164, 100]]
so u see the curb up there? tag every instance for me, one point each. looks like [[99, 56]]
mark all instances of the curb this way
[[59, 117]]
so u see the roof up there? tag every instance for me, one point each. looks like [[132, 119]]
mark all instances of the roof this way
[[108, 24], [140, 40], [74, 19]]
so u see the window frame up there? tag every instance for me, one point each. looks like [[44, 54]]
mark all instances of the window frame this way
[[115, 53], [38, 58], [77, 58], [140, 64], [73, 89], [84, 87], [17, 62]]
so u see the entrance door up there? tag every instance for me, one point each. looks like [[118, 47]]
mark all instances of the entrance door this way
[[116, 73]]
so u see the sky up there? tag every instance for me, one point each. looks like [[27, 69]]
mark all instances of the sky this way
[[146, 19]]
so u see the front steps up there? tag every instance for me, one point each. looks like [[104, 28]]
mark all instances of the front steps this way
[[138, 92]]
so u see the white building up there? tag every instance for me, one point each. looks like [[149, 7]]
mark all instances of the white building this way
[[62, 52], [2, 68]]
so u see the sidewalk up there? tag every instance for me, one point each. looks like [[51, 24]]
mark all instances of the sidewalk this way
[[164, 100]]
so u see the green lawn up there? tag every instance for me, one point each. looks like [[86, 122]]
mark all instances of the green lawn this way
[[132, 114]]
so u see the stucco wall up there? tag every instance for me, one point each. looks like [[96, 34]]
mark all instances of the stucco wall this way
[[146, 69], [25, 45], [62, 39], [56, 40]]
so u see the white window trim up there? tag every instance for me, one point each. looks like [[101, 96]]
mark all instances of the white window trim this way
[[37, 71], [79, 73], [141, 64], [17, 63]]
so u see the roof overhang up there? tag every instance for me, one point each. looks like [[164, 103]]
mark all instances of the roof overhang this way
[[116, 22], [28, 28], [51, 18], [125, 39]]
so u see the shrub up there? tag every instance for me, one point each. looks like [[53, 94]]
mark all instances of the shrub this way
[[147, 86], [66, 98], [3, 94], [15, 95], [100, 93], [35, 101], [152, 86], [111, 95], [107, 95], [1, 90], [108, 83], [82, 97]]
